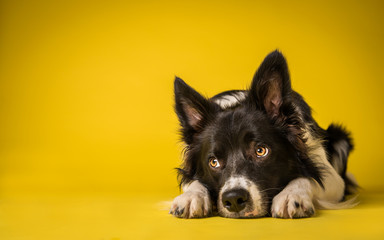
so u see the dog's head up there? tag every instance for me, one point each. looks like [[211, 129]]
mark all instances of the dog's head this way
[[244, 154]]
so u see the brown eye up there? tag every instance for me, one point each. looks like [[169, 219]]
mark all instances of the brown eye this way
[[214, 163], [261, 151]]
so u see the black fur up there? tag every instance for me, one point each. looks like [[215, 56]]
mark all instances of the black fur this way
[[271, 115], [335, 135]]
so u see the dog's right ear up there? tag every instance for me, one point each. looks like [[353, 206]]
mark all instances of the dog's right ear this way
[[193, 110]]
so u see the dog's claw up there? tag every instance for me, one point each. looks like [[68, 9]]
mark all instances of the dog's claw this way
[[179, 212]]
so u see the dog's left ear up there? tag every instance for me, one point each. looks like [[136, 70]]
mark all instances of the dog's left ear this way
[[271, 85]]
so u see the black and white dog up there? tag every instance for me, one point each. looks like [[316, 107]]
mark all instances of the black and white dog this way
[[258, 152]]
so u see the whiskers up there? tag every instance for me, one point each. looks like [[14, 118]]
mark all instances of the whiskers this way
[[270, 189]]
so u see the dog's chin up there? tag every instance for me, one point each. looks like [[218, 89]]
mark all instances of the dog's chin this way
[[248, 212]]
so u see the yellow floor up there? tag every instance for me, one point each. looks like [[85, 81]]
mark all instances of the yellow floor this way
[[86, 105], [144, 216]]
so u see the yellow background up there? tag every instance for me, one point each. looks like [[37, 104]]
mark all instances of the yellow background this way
[[88, 137]]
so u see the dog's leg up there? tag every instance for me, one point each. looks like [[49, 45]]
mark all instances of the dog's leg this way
[[193, 203], [294, 201], [297, 199]]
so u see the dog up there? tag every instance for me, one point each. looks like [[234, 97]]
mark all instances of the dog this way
[[259, 152]]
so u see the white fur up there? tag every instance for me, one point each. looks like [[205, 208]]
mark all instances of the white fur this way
[[294, 201], [193, 203], [297, 199], [228, 101], [342, 152], [251, 210], [334, 185]]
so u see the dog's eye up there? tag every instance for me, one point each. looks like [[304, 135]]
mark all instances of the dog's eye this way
[[261, 151], [214, 163]]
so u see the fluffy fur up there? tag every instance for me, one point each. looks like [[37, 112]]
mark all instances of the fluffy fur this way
[[258, 152]]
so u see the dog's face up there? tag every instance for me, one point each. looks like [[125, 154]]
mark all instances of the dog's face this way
[[245, 161], [244, 154]]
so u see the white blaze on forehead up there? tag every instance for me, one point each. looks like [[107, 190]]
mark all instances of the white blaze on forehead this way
[[230, 100], [234, 183]]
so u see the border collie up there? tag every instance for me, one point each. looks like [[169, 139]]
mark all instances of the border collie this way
[[259, 152]]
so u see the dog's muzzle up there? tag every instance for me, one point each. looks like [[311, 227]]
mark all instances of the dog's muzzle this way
[[240, 198]]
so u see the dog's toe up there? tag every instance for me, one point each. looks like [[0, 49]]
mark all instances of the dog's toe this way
[[177, 212], [291, 205], [191, 205]]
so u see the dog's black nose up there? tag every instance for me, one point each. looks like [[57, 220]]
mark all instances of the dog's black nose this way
[[235, 200]]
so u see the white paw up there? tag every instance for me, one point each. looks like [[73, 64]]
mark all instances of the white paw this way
[[191, 204], [292, 204], [295, 201]]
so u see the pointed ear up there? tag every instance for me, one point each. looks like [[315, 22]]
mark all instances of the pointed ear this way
[[271, 85], [193, 110]]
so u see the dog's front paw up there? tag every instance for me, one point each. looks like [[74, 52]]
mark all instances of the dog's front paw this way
[[191, 204], [288, 204]]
